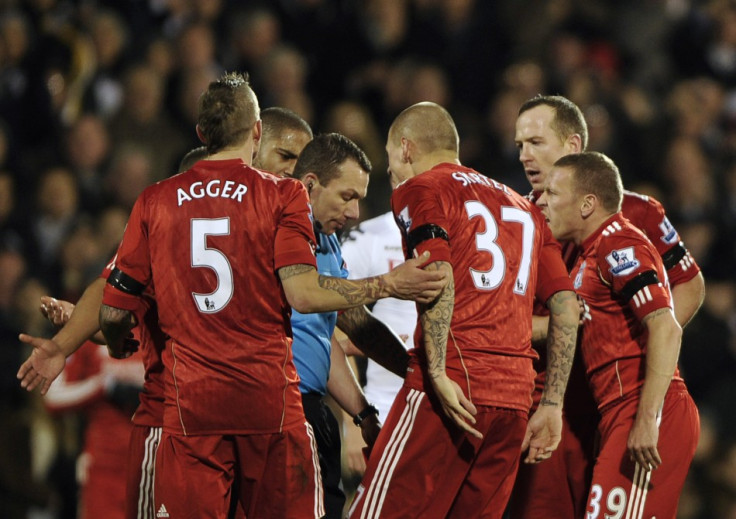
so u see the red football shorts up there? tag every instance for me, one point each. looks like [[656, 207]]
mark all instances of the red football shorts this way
[[141, 463], [622, 488], [273, 475], [422, 465]]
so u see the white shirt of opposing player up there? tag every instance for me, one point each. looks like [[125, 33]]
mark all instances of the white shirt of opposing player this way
[[372, 249]]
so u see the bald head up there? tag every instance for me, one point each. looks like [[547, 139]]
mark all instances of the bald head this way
[[429, 126]]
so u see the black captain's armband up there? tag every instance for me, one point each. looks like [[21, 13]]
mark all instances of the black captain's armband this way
[[125, 283], [423, 233], [644, 279], [673, 256]]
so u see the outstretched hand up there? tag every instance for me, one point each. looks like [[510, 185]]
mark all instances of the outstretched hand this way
[[455, 405], [55, 310], [543, 433], [43, 366], [410, 281]]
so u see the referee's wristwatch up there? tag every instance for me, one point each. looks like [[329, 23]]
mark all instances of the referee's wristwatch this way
[[369, 410]]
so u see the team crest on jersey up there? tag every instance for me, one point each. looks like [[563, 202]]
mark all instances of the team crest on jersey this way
[[622, 261], [669, 234], [579, 277]]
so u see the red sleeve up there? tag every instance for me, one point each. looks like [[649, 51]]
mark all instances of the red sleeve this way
[[295, 241], [648, 215], [634, 270], [416, 206], [133, 259], [553, 276]]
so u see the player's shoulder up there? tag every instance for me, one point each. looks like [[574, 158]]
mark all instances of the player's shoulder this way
[[639, 201], [620, 232]]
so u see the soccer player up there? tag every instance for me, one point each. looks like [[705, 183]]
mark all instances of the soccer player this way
[[226, 248], [548, 128], [284, 136], [451, 444], [629, 344]]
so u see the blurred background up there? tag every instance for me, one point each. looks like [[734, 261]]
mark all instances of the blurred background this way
[[98, 100]]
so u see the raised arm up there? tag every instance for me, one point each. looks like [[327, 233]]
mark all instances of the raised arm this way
[[374, 339], [663, 349], [308, 292]]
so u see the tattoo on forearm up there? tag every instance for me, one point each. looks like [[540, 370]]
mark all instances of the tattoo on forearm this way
[[435, 320], [655, 314], [293, 270], [560, 345], [115, 324], [361, 291]]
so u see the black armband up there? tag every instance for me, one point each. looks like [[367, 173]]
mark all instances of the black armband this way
[[369, 410], [673, 256], [423, 233], [644, 279], [125, 283]]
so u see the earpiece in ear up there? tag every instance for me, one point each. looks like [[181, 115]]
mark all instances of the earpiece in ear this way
[[309, 187]]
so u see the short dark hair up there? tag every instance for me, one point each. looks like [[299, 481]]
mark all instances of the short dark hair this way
[[192, 157], [595, 173], [569, 119], [276, 119], [325, 153], [227, 112]]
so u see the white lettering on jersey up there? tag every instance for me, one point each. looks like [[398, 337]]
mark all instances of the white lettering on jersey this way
[[212, 190], [476, 178], [622, 261]]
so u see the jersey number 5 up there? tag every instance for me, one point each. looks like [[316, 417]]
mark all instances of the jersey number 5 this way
[[203, 256], [486, 241]]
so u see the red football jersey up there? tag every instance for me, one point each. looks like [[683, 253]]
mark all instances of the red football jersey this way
[[615, 275], [502, 255], [648, 215], [208, 243], [151, 343]]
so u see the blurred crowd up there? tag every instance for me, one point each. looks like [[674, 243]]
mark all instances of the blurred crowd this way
[[98, 100]]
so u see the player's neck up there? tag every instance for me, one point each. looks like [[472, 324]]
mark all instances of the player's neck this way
[[430, 160], [591, 225], [243, 152]]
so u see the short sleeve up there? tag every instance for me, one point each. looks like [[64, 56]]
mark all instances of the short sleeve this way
[[653, 221], [631, 266], [420, 216], [295, 241], [133, 259]]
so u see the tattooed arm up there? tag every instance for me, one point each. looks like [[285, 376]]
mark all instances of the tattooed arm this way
[[309, 292], [116, 325], [544, 429], [663, 349], [435, 320], [374, 339], [561, 338]]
